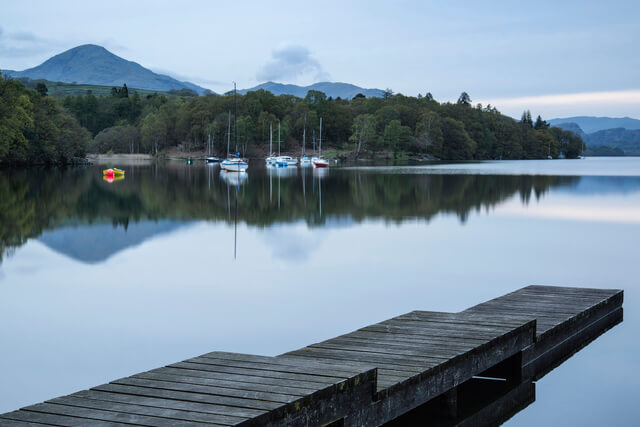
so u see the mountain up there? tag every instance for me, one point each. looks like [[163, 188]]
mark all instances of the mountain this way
[[591, 124], [626, 140], [573, 127], [92, 64], [334, 90]]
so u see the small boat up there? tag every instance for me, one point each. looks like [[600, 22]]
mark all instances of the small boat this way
[[113, 172], [234, 164], [285, 161], [272, 157], [212, 159], [304, 160], [319, 162]]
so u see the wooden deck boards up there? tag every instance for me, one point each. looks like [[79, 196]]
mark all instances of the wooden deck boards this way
[[366, 377], [567, 319]]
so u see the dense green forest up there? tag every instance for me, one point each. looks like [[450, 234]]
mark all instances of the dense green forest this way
[[127, 122], [35, 128]]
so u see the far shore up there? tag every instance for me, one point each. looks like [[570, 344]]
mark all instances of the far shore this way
[[105, 158]]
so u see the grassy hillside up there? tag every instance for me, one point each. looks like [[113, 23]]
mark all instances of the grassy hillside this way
[[61, 89]]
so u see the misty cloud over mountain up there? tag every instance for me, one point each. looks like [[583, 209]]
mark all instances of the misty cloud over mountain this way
[[292, 63]]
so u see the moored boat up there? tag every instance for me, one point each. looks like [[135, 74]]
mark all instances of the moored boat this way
[[113, 172], [319, 162], [234, 164], [284, 161]]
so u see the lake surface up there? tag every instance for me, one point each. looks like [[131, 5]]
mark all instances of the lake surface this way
[[101, 280]]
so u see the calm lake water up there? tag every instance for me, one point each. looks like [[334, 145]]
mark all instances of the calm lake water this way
[[101, 280]]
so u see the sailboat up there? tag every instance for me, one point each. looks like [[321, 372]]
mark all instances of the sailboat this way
[[233, 164], [283, 161], [304, 160], [211, 158], [271, 157], [319, 162]]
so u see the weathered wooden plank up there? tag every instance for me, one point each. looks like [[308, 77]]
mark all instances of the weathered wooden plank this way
[[408, 339], [245, 382], [107, 416], [236, 389], [53, 420], [314, 367], [275, 367], [410, 353], [463, 327], [244, 398], [236, 406], [388, 367], [395, 343], [195, 407], [419, 355], [204, 366], [559, 290], [170, 414], [502, 322], [4, 422], [423, 331], [347, 371], [373, 358], [460, 327]]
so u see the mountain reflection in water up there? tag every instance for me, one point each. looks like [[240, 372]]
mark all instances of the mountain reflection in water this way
[[70, 208]]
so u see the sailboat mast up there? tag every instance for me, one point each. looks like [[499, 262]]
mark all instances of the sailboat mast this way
[[278, 139], [228, 133], [235, 116], [270, 139], [304, 134], [320, 146]]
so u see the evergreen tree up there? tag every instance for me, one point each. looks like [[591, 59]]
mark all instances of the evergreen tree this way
[[42, 89], [541, 124], [464, 99]]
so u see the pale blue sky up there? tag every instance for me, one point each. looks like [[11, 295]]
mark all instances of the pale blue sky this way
[[514, 55]]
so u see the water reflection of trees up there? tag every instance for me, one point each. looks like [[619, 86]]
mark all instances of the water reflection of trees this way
[[35, 200]]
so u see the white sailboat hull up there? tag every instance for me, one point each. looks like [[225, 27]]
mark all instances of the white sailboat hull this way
[[234, 165]]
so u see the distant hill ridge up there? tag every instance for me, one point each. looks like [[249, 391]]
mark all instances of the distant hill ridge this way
[[331, 89], [591, 124], [627, 140], [95, 65]]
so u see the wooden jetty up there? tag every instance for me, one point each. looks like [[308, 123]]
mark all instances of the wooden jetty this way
[[378, 374]]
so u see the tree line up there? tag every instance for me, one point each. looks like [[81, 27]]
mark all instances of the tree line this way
[[126, 122]]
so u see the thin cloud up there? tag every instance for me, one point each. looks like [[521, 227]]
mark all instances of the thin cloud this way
[[292, 62], [186, 78], [619, 102], [22, 44], [609, 97]]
